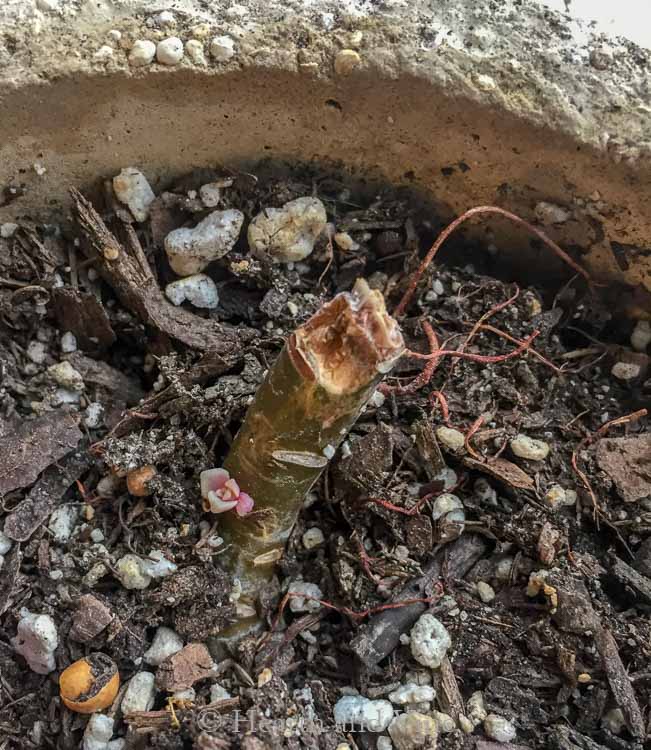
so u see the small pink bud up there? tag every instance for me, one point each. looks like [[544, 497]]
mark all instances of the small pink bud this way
[[221, 493], [244, 504]]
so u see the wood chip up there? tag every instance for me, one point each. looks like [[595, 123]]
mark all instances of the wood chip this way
[[28, 447], [180, 671], [627, 461], [450, 696], [35, 509], [95, 372], [505, 471], [84, 315], [639, 584]]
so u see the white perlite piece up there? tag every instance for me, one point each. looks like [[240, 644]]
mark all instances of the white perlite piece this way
[[486, 592], [641, 336], [167, 642], [448, 510], [384, 743], [169, 51], [452, 439], [412, 693], [5, 543], [62, 522], [499, 729], [445, 722], [65, 375], [189, 251], [298, 603], [313, 538], [529, 448], [36, 640], [157, 565], [345, 241], [199, 290], [218, 693], [550, 213], [287, 234], [140, 693], [346, 61], [195, 51], [222, 48], [210, 194], [429, 641], [118, 744], [142, 53], [413, 730], [363, 713], [625, 370], [558, 496], [98, 732], [132, 189], [448, 476], [131, 574], [8, 229], [475, 709], [37, 352], [68, 342], [94, 415]]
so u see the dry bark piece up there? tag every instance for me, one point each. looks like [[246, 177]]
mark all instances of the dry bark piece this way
[[95, 372], [450, 696], [34, 510], [91, 617], [126, 269], [428, 448], [10, 577], [181, 670], [28, 447], [627, 461], [501, 469], [378, 637], [632, 580], [84, 315]]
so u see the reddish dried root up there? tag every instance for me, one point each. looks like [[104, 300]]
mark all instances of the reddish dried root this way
[[438, 397], [587, 441], [473, 429], [413, 284], [482, 358], [513, 340], [424, 377]]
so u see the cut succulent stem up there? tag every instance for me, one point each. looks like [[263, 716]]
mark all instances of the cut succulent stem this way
[[311, 397]]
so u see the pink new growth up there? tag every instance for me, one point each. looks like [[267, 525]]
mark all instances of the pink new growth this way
[[221, 493]]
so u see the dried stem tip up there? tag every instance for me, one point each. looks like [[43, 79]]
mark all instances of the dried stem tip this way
[[310, 399]]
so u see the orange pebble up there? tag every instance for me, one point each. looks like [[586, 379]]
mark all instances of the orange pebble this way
[[138, 480], [90, 684]]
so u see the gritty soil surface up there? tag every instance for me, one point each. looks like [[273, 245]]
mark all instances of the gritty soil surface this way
[[544, 589]]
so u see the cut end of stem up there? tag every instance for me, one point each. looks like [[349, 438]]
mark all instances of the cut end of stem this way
[[349, 342]]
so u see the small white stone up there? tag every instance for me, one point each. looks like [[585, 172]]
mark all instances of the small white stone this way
[[445, 722], [451, 438], [169, 51], [218, 693], [114, 35], [504, 568], [66, 376], [558, 496], [5, 543], [62, 522], [357, 711], [412, 731], [131, 574], [94, 415], [475, 709], [287, 234], [345, 241], [222, 48], [499, 729], [486, 592], [8, 230], [384, 743], [36, 641], [118, 744], [195, 51], [485, 83], [157, 565], [484, 491], [164, 19], [210, 194], [199, 290], [39, 168], [132, 189], [189, 694], [98, 732], [299, 604], [103, 54], [448, 476], [412, 693], [329, 451], [465, 725], [313, 538], [641, 336], [438, 288], [68, 342], [614, 721], [529, 448], [447, 505], [429, 641], [36, 351], [63, 396], [377, 399], [142, 53], [347, 61], [550, 213], [625, 371], [140, 693], [166, 643], [97, 536], [189, 251], [47, 6]]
